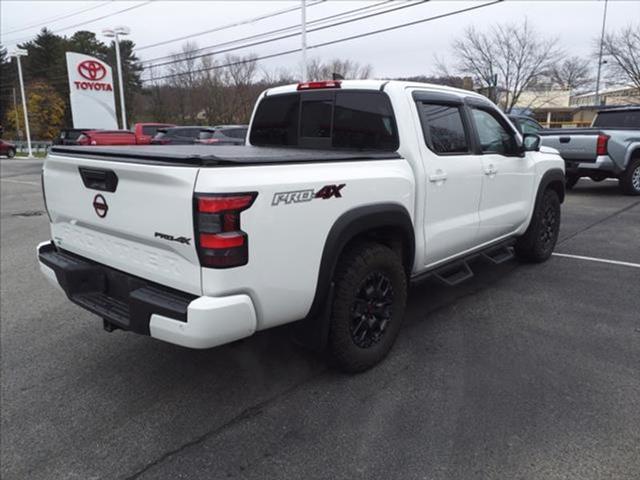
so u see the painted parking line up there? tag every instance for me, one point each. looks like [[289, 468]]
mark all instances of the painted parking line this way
[[600, 260], [21, 182]]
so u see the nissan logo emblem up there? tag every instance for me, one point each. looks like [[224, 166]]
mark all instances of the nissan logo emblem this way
[[92, 70], [100, 206]]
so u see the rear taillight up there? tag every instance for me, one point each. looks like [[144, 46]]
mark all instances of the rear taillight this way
[[220, 241], [601, 147]]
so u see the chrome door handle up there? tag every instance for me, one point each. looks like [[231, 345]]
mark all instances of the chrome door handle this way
[[439, 176]]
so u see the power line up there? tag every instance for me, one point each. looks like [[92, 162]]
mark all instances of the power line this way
[[331, 42], [88, 21], [227, 26], [271, 32], [55, 19], [282, 37]]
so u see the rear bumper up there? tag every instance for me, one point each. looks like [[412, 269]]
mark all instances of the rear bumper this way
[[131, 303], [602, 163]]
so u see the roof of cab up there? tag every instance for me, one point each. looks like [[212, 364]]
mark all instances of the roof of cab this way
[[380, 85]]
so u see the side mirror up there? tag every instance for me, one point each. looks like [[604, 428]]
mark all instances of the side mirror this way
[[531, 142]]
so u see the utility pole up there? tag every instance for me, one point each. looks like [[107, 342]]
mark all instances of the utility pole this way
[[304, 41], [604, 21], [17, 53], [114, 33]]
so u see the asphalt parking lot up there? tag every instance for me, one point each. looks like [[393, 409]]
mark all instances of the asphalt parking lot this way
[[525, 371]]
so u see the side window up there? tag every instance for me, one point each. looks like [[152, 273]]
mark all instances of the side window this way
[[530, 127], [443, 128], [493, 136]]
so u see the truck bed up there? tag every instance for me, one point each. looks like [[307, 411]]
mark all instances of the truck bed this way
[[223, 155]]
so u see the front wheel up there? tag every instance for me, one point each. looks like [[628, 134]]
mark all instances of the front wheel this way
[[11, 153], [630, 179], [368, 307], [538, 242]]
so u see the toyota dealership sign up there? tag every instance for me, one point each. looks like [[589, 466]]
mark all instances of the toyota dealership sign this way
[[91, 92]]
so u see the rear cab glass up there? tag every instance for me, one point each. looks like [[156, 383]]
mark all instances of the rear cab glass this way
[[348, 119], [618, 119]]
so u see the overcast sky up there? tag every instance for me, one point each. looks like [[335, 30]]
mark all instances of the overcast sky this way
[[403, 52]]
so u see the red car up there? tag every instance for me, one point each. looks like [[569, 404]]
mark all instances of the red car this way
[[107, 137], [146, 131], [7, 149]]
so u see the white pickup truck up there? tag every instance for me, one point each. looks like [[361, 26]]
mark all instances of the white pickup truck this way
[[345, 192]]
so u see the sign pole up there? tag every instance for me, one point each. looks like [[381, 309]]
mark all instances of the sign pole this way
[[123, 112]]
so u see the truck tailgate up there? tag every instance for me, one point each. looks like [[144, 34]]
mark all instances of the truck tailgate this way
[[137, 218], [573, 145]]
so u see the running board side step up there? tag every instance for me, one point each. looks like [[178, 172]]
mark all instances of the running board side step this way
[[459, 270], [454, 274], [499, 254]]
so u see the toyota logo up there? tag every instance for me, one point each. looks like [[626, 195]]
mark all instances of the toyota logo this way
[[100, 206], [92, 70]]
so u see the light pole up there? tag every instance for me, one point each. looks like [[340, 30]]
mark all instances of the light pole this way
[[114, 33], [17, 53], [304, 40], [600, 62]]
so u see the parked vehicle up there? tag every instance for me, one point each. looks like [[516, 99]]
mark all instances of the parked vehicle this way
[[346, 192], [7, 149], [69, 136], [525, 124], [609, 149], [106, 137], [144, 132], [223, 135], [179, 135]]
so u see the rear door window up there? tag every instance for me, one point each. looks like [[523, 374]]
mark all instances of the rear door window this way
[[444, 128], [326, 119], [619, 119]]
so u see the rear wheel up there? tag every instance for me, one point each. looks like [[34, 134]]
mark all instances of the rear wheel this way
[[571, 181], [368, 308], [630, 179], [538, 242], [11, 153]]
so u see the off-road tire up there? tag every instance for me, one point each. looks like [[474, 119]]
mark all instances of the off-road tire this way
[[630, 179], [359, 268], [570, 181], [538, 242]]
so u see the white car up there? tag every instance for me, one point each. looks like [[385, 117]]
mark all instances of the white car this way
[[345, 192]]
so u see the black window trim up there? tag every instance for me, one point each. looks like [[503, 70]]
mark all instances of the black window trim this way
[[307, 94], [454, 103]]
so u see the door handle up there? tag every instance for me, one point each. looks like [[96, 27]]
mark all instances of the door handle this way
[[437, 177], [491, 170]]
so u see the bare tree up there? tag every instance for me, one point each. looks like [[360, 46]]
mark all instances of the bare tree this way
[[572, 73], [623, 52], [349, 69], [184, 79], [510, 58], [241, 91]]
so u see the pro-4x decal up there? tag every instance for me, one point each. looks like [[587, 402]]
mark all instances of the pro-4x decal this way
[[299, 196]]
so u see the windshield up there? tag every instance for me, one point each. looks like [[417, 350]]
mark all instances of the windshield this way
[[326, 119], [618, 119]]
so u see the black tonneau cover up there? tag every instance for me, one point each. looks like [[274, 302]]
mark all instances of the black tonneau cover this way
[[222, 155]]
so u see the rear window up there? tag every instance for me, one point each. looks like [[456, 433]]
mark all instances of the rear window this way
[[622, 118], [149, 130], [325, 119]]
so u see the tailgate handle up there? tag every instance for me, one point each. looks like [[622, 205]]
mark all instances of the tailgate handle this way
[[565, 139], [98, 179]]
